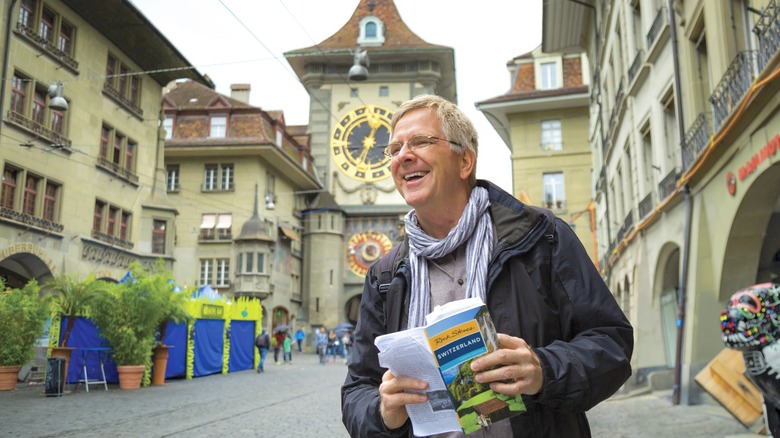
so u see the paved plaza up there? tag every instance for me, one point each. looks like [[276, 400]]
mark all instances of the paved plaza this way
[[298, 400]]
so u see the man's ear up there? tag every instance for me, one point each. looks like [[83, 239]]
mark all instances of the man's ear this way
[[468, 163]]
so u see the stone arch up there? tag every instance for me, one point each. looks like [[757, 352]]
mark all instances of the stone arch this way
[[23, 262], [666, 289], [753, 244]]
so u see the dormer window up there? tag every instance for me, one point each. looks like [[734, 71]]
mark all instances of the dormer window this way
[[372, 32]]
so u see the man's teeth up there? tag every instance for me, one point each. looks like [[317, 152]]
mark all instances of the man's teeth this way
[[413, 175]]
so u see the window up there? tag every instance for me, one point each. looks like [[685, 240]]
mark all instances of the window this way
[[18, 93], [158, 236], [551, 135], [121, 156], [206, 265], [210, 177], [549, 75], [46, 28], [9, 188], [554, 195], [39, 106], [50, 200], [124, 225], [111, 219], [260, 263], [218, 126], [270, 190], [214, 173], [384, 91], [370, 30], [30, 194], [97, 217], [223, 272], [172, 179], [27, 13], [249, 263], [216, 226], [58, 121], [123, 85], [65, 39], [168, 125], [104, 224]]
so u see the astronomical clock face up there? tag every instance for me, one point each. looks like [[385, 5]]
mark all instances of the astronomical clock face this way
[[358, 140], [363, 249]]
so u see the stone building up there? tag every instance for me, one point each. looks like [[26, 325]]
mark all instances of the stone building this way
[[685, 132], [80, 146], [543, 120]]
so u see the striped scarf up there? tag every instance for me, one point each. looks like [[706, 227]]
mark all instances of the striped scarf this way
[[475, 229]]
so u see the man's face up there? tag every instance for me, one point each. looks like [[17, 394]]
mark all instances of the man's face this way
[[426, 178]]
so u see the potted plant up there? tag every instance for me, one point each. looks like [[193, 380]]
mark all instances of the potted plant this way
[[70, 297], [127, 316], [174, 305], [22, 317]]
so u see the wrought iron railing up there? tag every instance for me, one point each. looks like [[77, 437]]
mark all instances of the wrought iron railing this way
[[29, 219], [668, 184], [616, 108], [55, 137], [767, 30], [128, 104], [117, 169], [655, 29], [636, 65], [48, 47], [111, 240], [732, 87], [646, 206], [696, 139]]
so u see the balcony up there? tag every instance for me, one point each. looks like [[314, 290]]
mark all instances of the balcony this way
[[646, 206], [118, 170], [47, 47], [124, 102], [732, 87], [39, 130], [696, 139], [657, 34], [27, 219], [767, 30], [668, 184], [111, 240], [637, 73]]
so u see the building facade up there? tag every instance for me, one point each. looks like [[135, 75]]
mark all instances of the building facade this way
[[240, 180], [360, 217], [684, 132], [543, 120], [80, 145]]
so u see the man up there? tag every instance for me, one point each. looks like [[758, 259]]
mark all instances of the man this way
[[565, 343], [262, 342]]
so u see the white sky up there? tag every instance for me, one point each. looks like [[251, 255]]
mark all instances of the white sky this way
[[243, 41]]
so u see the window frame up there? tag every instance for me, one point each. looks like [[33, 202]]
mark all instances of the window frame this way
[[172, 177], [550, 197], [159, 236], [552, 135], [218, 130]]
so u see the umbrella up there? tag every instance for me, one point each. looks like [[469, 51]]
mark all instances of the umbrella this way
[[281, 328], [343, 328]]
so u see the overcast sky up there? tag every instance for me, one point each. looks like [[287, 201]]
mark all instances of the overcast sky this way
[[243, 41]]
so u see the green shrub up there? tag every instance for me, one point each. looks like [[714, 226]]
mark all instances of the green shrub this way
[[22, 317]]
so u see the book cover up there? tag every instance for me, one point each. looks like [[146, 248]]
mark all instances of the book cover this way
[[458, 333]]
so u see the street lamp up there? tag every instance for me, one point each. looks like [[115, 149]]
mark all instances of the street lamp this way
[[57, 102]]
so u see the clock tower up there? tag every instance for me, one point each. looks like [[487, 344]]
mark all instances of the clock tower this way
[[349, 124]]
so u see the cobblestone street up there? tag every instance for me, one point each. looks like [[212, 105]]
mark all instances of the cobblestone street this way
[[298, 400]]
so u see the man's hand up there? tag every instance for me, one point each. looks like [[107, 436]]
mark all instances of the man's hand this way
[[518, 370], [393, 399]]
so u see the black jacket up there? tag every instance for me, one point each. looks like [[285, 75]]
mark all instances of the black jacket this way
[[547, 292]]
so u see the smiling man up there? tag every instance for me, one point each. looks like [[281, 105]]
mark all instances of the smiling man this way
[[565, 343]]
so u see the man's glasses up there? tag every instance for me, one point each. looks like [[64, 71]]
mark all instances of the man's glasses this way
[[414, 143]]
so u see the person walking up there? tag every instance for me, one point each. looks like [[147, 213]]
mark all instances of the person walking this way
[[300, 335], [287, 349], [322, 344], [346, 342], [565, 344], [262, 342], [277, 344], [333, 345]]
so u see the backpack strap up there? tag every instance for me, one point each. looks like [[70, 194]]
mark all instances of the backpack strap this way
[[549, 234], [386, 269]]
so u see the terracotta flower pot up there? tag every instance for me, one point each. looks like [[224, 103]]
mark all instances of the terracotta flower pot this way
[[130, 376], [8, 377], [160, 364]]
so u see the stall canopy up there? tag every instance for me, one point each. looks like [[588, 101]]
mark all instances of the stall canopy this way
[[207, 292]]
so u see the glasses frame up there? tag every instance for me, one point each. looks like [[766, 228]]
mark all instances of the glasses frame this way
[[431, 140]]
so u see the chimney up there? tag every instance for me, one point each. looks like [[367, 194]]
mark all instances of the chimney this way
[[240, 92]]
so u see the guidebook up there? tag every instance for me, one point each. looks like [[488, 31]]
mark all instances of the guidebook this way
[[441, 353]]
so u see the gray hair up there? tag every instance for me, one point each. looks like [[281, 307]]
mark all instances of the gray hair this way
[[455, 124]]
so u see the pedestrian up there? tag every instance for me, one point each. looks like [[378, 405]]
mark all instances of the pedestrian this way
[[333, 345], [287, 349], [277, 344], [565, 344], [346, 342], [300, 335], [322, 344], [262, 342]]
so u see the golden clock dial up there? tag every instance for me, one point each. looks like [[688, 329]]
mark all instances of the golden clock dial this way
[[358, 141], [365, 248]]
